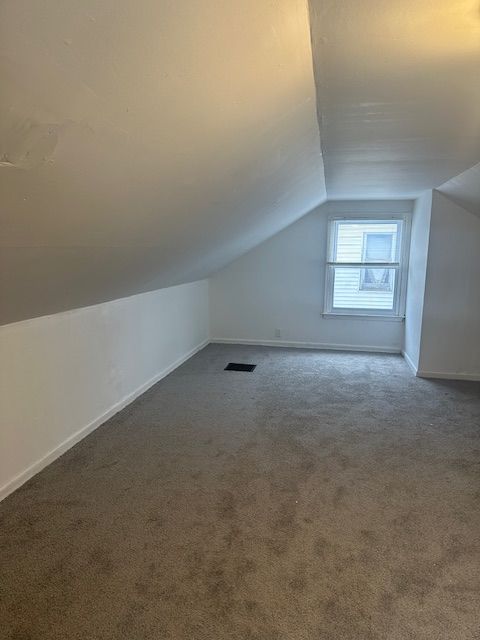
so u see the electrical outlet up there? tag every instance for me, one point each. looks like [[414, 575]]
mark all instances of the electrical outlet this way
[[278, 333]]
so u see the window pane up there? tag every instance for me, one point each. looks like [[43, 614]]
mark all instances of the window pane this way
[[366, 241], [356, 288], [378, 247], [376, 280]]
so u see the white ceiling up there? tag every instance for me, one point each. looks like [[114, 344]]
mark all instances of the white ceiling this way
[[147, 142], [144, 143], [398, 84]]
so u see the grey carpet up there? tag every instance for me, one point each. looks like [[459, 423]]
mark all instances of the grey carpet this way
[[325, 496]]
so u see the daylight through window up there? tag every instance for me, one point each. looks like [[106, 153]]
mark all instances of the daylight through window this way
[[364, 267]]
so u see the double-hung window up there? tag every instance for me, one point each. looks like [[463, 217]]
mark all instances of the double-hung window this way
[[366, 266]]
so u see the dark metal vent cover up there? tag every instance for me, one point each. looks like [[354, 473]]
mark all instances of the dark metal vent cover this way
[[237, 366]]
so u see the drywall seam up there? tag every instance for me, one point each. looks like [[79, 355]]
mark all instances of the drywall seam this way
[[316, 83], [67, 444], [306, 345]]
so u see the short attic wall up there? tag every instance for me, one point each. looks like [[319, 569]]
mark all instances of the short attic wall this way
[[63, 375]]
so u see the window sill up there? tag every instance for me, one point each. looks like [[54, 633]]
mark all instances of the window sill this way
[[363, 316]]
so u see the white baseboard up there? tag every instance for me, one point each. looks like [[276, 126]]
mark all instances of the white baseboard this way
[[409, 361], [442, 375], [55, 453], [307, 345]]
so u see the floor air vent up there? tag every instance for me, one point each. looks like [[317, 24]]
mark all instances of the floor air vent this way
[[236, 366]]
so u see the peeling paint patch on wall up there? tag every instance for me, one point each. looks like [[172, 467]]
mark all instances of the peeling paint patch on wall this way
[[27, 143]]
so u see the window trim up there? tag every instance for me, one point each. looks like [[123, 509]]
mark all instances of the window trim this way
[[401, 267]]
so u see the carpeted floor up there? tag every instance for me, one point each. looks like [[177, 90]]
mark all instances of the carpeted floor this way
[[325, 496]]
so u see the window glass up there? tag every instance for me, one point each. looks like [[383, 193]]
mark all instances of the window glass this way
[[353, 282]]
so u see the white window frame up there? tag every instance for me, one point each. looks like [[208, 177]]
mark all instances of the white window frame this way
[[400, 292]]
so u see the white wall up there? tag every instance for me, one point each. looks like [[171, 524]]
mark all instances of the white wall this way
[[451, 315], [416, 278], [280, 285], [63, 375]]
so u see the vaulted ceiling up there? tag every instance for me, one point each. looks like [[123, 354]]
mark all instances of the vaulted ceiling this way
[[464, 189], [398, 85], [144, 143]]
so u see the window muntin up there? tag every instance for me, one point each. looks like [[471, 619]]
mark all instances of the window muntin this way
[[364, 266]]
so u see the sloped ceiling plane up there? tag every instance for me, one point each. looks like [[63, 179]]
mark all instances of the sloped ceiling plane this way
[[148, 143]]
